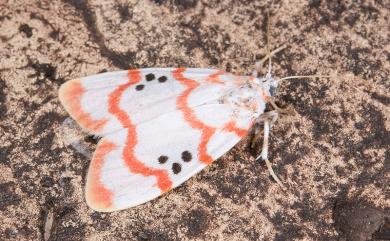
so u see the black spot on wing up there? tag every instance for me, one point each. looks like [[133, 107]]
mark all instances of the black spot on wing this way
[[162, 159], [186, 156], [176, 168], [139, 87], [162, 79], [150, 77]]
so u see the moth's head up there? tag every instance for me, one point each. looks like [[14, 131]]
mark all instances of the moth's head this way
[[270, 84], [267, 84]]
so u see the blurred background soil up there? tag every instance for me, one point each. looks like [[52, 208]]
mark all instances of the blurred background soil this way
[[333, 155]]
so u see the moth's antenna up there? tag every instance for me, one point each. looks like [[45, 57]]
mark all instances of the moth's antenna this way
[[260, 63], [302, 76], [269, 43]]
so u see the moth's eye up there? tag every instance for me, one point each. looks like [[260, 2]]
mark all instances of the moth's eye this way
[[272, 90]]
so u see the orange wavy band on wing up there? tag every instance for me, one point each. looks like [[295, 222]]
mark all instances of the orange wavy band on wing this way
[[214, 78], [71, 94], [97, 195], [265, 97], [134, 165], [231, 127], [189, 115]]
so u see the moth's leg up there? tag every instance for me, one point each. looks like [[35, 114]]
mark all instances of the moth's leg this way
[[272, 116], [256, 138], [73, 135], [261, 62], [264, 153], [287, 110], [269, 118]]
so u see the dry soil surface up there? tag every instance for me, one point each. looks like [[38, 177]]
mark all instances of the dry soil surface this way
[[333, 155]]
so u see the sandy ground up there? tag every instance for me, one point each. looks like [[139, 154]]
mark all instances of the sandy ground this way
[[333, 154]]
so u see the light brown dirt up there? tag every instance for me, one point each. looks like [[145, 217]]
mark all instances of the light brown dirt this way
[[333, 154]]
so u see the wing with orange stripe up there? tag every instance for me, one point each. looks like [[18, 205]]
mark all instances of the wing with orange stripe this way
[[144, 94], [159, 128]]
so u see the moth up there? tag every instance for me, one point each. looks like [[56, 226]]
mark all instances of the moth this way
[[161, 126]]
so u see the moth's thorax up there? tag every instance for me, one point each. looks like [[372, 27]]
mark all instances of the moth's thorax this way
[[248, 94]]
